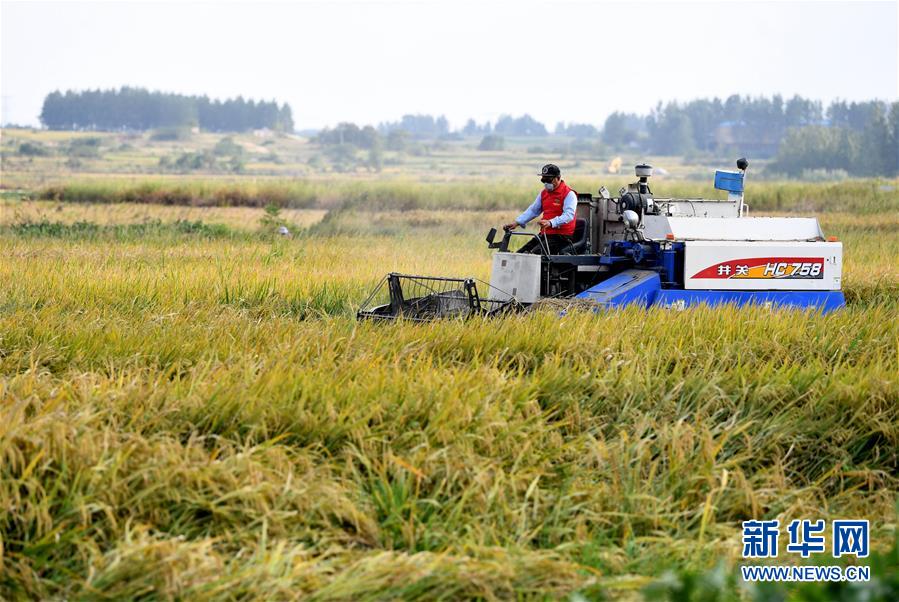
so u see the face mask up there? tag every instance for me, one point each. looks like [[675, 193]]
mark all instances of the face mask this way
[[549, 186]]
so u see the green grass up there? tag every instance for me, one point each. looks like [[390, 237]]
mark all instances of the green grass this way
[[90, 230], [187, 416]]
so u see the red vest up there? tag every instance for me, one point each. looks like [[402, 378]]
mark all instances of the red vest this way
[[553, 205]]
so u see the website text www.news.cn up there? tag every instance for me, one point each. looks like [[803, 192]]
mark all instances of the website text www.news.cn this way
[[849, 538]]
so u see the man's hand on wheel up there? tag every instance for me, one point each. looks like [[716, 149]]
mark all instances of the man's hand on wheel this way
[[511, 226]]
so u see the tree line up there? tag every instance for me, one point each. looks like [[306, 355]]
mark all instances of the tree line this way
[[141, 109], [860, 138], [799, 134]]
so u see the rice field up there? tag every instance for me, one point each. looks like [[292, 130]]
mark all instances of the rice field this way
[[194, 413], [282, 156], [236, 219], [880, 197]]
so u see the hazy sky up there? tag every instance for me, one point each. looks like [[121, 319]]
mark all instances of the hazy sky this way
[[373, 61]]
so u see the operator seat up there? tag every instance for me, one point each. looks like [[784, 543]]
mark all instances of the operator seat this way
[[578, 239]]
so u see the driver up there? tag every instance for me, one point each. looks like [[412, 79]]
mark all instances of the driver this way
[[557, 202]]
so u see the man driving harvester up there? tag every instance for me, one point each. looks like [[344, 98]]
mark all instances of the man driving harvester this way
[[557, 202]]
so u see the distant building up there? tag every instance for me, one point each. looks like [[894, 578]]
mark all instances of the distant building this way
[[748, 140]]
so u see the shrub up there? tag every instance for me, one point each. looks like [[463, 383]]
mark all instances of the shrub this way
[[195, 160], [85, 147], [170, 133], [236, 165], [227, 147], [492, 142], [33, 149]]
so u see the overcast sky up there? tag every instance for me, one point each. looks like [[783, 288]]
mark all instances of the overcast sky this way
[[373, 61]]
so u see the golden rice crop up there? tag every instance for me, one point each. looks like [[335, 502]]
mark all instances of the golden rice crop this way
[[197, 415]]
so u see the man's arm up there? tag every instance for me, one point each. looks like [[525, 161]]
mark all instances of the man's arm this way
[[531, 212], [568, 208]]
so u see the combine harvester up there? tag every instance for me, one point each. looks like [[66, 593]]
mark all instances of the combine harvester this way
[[640, 249]]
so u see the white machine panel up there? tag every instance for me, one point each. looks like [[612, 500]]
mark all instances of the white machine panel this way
[[700, 207], [515, 275], [657, 227], [754, 266]]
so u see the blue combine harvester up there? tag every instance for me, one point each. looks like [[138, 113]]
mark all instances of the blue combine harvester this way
[[640, 249]]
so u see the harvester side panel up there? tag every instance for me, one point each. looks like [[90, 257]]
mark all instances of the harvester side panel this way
[[699, 207], [515, 276], [756, 266], [659, 227], [630, 286], [823, 301]]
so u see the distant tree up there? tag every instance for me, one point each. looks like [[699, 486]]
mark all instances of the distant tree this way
[[843, 146], [140, 109], [875, 146], [817, 147], [397, 140], [369, 137], [801, 112], [616, 132], [670, 130], [892, 150], [854, 116], [705, 116], [576, 130], [349, 133], [441, 126], [376, 156], [343, 157], [343, 133], [418, 126], [733, 108], [525, 125], [492, 142], [473, 129], [54, 113], [285, 119]]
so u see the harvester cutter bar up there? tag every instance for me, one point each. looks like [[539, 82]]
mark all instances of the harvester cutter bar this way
[[422, 298]]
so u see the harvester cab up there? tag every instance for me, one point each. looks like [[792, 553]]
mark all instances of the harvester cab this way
[[640, 249]]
